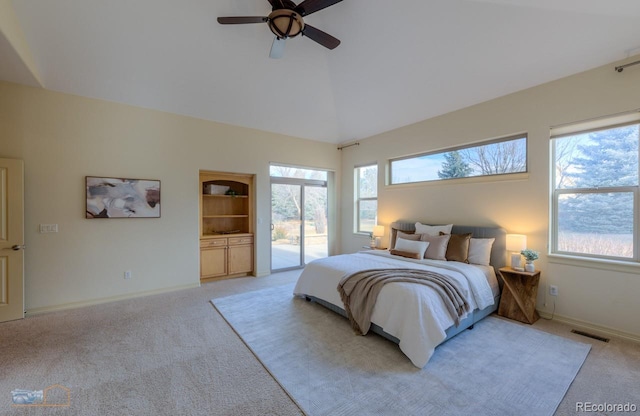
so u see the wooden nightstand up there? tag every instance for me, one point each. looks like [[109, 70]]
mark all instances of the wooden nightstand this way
[[519, 295]]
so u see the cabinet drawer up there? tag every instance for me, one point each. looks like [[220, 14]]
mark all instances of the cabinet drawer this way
[[214, 242], [240, 240]]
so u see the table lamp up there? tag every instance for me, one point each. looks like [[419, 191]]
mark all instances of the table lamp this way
[[515, 244]]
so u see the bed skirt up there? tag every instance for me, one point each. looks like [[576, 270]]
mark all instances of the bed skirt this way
[[473, 317]]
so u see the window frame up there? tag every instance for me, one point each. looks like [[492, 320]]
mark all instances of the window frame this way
[[574, 129], [358, 199], [511, 137]]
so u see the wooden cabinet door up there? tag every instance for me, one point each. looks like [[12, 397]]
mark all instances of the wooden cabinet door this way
[[240, 258], [213, 261]]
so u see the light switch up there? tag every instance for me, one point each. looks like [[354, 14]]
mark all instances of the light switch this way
[[48, 228]]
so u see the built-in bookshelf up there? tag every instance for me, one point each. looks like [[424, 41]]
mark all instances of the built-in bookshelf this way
[[226, 225]]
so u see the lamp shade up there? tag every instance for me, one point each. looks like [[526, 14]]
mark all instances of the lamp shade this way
[[378, 231], [516, 242]]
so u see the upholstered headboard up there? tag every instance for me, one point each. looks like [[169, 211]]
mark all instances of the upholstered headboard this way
[[498, 250]]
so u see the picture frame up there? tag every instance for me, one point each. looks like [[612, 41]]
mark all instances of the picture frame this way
[[108, 197]]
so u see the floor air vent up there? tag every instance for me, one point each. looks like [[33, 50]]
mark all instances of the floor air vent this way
[[586, 334]]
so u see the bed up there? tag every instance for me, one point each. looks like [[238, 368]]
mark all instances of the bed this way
[[412, 315]]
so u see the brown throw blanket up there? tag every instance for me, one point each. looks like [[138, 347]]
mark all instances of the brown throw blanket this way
[[360, 290]]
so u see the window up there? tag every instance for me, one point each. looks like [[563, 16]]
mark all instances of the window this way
[[279, 171], [366, 190], [595, 195], [503, 156]]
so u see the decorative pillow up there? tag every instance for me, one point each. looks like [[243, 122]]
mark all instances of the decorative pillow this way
[[437, 248], [414, 237], [458, 248], [405, 254], [410, 246], [480, 250], [433, 229], [400, 234]]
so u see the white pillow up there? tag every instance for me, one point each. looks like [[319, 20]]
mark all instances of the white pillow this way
[[418, 247], [433, 229], [480, 250]]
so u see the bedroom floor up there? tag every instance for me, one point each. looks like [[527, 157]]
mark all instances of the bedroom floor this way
[[174, 354], [610, 374]]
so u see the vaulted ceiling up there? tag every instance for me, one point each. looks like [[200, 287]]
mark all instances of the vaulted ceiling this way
[[399, 62]]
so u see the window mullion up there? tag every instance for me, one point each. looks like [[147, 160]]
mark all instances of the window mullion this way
[[636, 221]]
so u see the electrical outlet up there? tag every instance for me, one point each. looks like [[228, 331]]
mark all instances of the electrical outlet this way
[[553, 290], [127, 274]]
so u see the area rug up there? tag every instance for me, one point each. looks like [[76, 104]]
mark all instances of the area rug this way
[[498, 368]]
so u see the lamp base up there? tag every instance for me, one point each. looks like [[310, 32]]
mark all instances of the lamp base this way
[[515, 261]]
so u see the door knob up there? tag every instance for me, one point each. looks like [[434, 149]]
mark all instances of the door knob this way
[[17, 247]]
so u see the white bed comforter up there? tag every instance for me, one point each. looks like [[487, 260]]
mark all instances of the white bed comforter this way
[[415, 314]]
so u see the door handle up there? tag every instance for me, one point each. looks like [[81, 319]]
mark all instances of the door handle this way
[[16, 247]]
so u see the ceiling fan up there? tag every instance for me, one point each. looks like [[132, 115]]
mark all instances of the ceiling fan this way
[[285, 21]]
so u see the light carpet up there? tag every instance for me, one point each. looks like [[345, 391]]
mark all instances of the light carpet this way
[[498, 368], [168, 354]]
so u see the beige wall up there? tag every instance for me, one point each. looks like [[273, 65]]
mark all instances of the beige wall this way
[[601, 299], [62, 138]]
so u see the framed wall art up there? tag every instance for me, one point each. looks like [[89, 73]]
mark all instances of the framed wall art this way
[[122, 198]]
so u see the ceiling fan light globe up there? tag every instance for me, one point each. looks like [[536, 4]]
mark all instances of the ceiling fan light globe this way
[[285, 23]]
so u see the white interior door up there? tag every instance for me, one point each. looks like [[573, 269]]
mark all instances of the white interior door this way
[[11, 239]]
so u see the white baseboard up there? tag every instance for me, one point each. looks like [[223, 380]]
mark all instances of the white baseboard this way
[[74, 305], [590, 327]]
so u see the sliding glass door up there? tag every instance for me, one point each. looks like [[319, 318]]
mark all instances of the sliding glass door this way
[[286, 221], [299, 223], [315, 223]]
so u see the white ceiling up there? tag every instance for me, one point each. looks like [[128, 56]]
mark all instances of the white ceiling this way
[[399, 62]]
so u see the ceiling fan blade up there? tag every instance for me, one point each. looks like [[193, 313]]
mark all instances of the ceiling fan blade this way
[[277, 48], [311, 6], [236, 20], [321, 37]]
